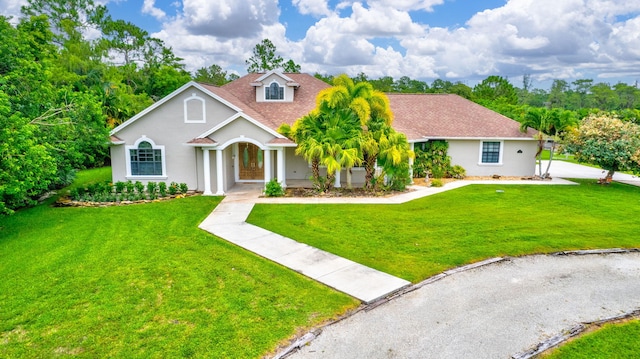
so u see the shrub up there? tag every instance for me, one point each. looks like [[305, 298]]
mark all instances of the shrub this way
[[152, 188], [173, 188], [273, 189], [139, 187], [120, 186], [457, 172], [184, 188], [162, 188], [129, 186], [436, 183]]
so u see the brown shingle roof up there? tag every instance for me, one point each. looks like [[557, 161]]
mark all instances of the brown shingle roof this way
[[419, 116], [422, 116], [274, 114], [202, 141]]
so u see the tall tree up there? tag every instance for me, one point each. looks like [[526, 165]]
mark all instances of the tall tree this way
[[265, 58], [213, 74], [495, 89]]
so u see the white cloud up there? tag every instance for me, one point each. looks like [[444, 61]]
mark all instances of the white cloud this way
[[409, 5], [11, 8], [228, 18], [312, 7], [149, 7]]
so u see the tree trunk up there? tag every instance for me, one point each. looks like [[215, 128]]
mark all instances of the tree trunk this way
[[349, 178], [551, 152], [370, 168]]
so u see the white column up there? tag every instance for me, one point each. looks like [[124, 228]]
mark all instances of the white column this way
[[207, 172], [337, 182], [281, 167], [267, 166], [219, 174], [413, 146]]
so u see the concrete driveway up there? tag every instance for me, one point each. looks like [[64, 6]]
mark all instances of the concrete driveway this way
[[501, 310], [495, 311]]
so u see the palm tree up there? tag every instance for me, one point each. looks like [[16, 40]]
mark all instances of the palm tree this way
[[550, 124]]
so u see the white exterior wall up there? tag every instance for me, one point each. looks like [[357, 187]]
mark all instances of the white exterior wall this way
[[466, 153], [166, 126]]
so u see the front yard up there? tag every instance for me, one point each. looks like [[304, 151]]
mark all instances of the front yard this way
[[427, 236], [144, 281]]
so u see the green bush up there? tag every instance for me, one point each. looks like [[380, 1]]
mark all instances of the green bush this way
[[432, 161], [139, 187], [436, 183], [457, 171], [152, 188], [173, 188], [273, 189], [120, 186], [162, 189], [129, 186], [184, 188]]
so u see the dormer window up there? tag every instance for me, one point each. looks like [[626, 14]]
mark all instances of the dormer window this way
[[274, 92]]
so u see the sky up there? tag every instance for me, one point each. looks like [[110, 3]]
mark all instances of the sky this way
[[455, 40]]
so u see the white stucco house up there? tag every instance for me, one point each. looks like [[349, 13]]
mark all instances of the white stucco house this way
[[212, 138]]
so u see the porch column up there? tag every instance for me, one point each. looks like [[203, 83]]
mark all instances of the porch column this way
[[267, 166], [219, 174], [337, 182], [413, 145], [207, 172], [281, 167]]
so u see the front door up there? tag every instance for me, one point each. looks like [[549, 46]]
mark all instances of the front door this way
[[251, 162]]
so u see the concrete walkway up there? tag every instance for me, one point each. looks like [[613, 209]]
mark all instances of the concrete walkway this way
[[227, 221]]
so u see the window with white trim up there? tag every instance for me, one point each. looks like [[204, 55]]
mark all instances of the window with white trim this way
[[274, 92], [491, 152], [146, 159]]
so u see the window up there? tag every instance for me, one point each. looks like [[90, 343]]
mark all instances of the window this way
[[274, 92], [145, 160], [490, 152]]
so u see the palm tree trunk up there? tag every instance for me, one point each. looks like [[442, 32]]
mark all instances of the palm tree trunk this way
[[369, 165], [551, 152]]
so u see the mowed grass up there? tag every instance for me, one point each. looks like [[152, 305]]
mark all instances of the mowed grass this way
[[142, 281], [421, 238], [615, 340]]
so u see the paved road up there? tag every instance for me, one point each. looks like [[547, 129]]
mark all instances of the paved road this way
[[494, 311]]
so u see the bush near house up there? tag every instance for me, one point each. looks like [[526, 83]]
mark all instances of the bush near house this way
[[432, 161]]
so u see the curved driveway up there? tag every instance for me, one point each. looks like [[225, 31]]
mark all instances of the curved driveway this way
[[494, 311]]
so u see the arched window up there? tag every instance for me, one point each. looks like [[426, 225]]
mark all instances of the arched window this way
[[145, 159], [274, 92]]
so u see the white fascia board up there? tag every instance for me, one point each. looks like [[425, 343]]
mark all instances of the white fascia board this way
[[278, 73], [428, 138], [235, 117]]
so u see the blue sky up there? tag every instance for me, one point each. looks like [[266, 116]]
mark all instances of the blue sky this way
[[456, 40]]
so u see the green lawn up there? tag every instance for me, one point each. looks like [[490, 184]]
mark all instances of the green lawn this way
[[612, 341], [426, 236], [142, 281]]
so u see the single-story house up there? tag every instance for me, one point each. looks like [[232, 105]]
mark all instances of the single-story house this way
[[213, 137]]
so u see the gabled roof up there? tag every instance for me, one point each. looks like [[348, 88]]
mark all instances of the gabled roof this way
[[448, 116], [273, 114]]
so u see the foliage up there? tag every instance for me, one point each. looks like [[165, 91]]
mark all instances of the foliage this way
[[436, 182], [273, 189], [432, 161], [551, 125], [105, 191], [213, 75], [351, 125], [264, 59], [457, 227], [607, 142], [495, 89], [144, 281]]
